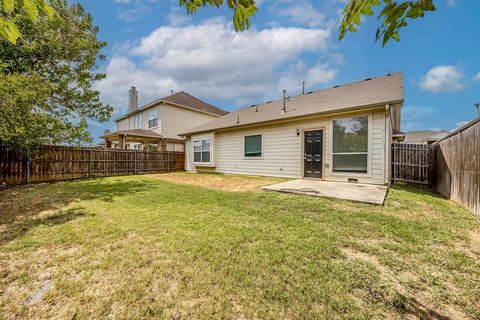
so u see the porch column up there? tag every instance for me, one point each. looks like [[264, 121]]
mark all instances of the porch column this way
[[122, 142]]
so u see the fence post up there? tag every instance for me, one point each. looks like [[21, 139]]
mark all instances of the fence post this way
[[26, 163], [90, 164], [135, 163], [168, 161], [394, 160]]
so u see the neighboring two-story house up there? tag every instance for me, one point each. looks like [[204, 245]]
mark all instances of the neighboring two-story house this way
[[156, 125]]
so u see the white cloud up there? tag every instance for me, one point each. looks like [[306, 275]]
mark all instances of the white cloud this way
[[133, 10], [451, 3], [178, 17], [413, 117], [443, 79], [212, 61], [477, 77], [303, 12], [460, 124]]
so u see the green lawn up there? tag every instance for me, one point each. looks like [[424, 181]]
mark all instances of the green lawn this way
[[142, 247]]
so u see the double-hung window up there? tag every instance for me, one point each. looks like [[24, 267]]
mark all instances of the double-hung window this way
[[202, 150], [153, 119], [137, 121], [350, 145], [253, 146]]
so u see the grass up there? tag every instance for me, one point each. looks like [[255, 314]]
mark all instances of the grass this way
[[143, 247]]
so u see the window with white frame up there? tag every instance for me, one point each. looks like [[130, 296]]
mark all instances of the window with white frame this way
[[350, 145], [253, 146], [153, 119], [202, 150], [137, 121]]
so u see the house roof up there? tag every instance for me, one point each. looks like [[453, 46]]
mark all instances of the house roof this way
[[421, 136], [182, 99], [357, 95], [136, 132]]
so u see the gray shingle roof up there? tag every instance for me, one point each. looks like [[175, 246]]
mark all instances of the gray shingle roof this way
[[356, 95]]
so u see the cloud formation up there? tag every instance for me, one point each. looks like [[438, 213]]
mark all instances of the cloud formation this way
[[413, 117], [443, 79], [212, 61]]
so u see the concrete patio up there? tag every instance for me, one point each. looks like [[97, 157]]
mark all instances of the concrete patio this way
[[348, 191]]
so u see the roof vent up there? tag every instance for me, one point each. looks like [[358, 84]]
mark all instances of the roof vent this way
[[310, 92], [303, 87], [238, 119], [284, 108], [269, 101], [368, 79], [336, 86]]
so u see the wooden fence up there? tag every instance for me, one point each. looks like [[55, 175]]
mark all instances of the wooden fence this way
[[412, 163], [54, 163], [458, 166]]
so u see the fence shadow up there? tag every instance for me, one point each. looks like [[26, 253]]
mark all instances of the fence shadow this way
[[23, 208]]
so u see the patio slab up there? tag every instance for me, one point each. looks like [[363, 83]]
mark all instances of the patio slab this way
[[340, 190]]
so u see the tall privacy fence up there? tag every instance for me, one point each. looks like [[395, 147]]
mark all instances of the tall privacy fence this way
[[451, 166], [54, 163], [457, 168]]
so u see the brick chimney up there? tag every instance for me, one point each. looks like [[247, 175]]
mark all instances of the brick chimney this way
[[132, 99]]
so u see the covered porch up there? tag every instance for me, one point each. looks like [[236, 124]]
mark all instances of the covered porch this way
[[140, 139]]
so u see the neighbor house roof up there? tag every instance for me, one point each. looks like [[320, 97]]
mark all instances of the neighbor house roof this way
[[421, 136], [181, 99], [362, 94], [136, 132]]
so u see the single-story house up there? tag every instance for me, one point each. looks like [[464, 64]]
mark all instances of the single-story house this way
[[425, 136], [342, 133]]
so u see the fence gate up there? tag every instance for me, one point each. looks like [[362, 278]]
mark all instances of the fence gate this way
[[413, 163]]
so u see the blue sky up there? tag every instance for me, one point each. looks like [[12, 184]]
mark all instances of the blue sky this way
[[155, 46]]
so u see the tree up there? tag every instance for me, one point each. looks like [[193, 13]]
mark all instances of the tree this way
[[393, 15], [8, 10], [46, 82]]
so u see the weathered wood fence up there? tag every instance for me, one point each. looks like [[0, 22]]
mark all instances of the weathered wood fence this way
[[412, 163], [54, 163], [458, 166]]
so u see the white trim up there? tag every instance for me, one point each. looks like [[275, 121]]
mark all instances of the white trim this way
[[202, 138], [369, 152], [243, 146]]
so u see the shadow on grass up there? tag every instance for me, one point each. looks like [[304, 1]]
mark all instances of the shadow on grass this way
[[418, 190], [19, 229], [413, 306], [21, 207]]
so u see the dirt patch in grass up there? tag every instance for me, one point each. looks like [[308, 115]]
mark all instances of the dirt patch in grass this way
[[229, 183]]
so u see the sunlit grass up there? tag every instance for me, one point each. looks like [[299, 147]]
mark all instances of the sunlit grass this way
[[140, 247]]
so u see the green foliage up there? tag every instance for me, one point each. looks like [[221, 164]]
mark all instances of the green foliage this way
[[393, 16], [9, 8], [243, 10], [47, 78]]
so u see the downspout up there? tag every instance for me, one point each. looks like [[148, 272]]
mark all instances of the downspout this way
[[388, 154]]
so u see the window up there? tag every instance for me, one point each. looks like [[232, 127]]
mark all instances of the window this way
[[350, 144], [137, 146], [202, 150], [152, 119], [137, 121], [253, 146]]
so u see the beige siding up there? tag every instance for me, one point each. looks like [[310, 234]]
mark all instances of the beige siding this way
[[123, 125], [129, 123], [171, 121], [282, 150], [176, 120]]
